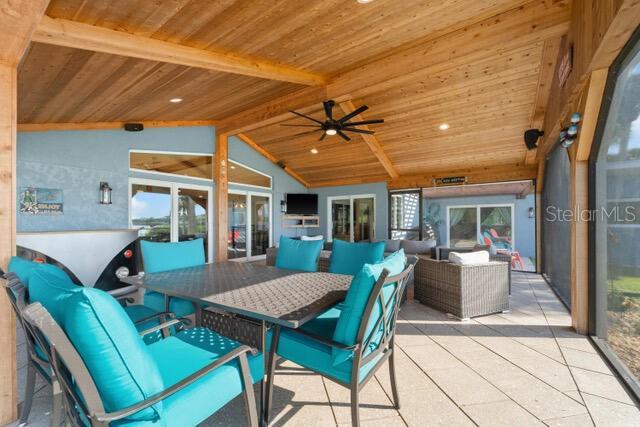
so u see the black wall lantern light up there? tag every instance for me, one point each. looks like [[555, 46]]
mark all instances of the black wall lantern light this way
[[105, 193]]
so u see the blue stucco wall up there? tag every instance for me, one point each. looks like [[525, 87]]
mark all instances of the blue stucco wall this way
[[525, 227], [382, 205]]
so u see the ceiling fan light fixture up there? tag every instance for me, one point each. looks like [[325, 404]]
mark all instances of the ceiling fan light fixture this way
[[331, 131]]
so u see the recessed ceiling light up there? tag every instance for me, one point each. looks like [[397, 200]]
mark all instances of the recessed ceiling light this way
[[444, 126], [175, 100], [364, 1], [233, 167], [314, 151]]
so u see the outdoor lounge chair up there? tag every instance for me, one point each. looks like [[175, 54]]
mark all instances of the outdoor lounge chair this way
[[108, 375], [350, 363]]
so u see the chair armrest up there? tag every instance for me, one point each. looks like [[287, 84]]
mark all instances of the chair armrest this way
[[162, 326], [240, 352], [121, 292], [326, 341]]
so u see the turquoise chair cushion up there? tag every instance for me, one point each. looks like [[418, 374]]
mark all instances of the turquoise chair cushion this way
[[349, 258], [116, 356], [170, 256], [356, 301], [181, 355], [23, 268], [52, 291], [316, 356], [138, 312], [180, 307], [298, 254]]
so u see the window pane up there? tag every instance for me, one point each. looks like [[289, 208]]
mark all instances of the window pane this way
[[260, 223], [239, 174], [462, 227], [195, 166], [363, 219], [237, 239], [192, 216], [405, 211], [151, 212], [341, 225], [617, 234], [495, 227]]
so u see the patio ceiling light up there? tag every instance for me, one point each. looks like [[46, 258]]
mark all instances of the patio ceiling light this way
[[175, 100], [444, 126], [314, 151]]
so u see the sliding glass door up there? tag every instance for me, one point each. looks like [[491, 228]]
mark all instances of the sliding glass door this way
[[351, 218], [616, 235], [250, 231], [483, 224], [170, 212]]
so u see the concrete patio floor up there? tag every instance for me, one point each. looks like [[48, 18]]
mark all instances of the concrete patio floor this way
[[520, 368]]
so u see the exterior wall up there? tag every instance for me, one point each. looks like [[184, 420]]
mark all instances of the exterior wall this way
[[525, 227], [381, 203]]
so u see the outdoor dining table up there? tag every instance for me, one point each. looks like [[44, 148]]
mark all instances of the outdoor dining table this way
[[266, 295]]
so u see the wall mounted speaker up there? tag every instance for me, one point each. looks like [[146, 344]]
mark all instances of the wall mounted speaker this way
[[531, 137], [133, 127]]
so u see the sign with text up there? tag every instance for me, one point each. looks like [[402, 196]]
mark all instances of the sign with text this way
[[450, 180], [40, 201]]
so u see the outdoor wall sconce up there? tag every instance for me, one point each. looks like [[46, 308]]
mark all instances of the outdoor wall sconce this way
[[105, 193], [532, 213]]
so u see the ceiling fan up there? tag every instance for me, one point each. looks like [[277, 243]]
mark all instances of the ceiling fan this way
[[332, 126]]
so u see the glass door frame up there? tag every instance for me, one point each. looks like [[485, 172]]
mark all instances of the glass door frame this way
[[249, 220], [511, 206], [174, 191], [351, 198]]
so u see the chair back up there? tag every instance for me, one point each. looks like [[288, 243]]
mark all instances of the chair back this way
[[170, 256], [18, 297], [386, 297], [78, 389]]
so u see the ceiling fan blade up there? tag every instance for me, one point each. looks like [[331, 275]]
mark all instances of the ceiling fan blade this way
[[324, 135], [305, 116], [328, 109], [364, 122], [345, 137], [354, 113], [301, 126], [368, 132]]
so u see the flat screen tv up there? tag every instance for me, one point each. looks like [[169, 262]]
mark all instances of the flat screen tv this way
[[302, 204]]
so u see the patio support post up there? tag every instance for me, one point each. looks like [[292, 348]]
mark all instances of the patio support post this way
[[8, 380], [221, 180]]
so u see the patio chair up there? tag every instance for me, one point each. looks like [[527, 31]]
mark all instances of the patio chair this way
[[37, 360], [351, 341], [108, 375], [158, 257]]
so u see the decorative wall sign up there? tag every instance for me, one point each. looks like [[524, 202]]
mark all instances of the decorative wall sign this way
[[450, 180], [40, 201]]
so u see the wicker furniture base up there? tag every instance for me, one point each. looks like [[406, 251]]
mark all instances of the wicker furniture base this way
[[463, 291]]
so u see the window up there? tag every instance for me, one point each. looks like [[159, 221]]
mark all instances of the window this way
[[615, 167], [404, 215], [244, 175], [351, 218], [199, 166], [171, 212], [485, 224], [249, 227]]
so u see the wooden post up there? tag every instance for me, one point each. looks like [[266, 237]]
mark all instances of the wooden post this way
[[580, 246], [8, 380], [221, 180]]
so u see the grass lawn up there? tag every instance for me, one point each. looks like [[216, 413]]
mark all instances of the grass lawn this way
[[627, 284]]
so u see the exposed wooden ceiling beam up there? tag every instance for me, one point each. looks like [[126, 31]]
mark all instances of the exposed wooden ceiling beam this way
[[371, 141], [250, 142], [62, 32], [550, 52], [45, 127], [19, 20], [482, 175]]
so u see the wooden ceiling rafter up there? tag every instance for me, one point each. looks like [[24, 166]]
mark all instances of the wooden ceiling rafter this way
[[371, 140], [46, 127], [63, 32]]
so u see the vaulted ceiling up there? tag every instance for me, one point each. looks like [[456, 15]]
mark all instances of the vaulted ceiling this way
[[482, 67]]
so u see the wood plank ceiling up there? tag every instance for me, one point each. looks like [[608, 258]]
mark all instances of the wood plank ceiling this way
[[476, 65]]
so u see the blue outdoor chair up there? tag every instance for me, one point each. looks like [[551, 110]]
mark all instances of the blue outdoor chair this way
[[108, 376], [22, 271], [351, 341], [158, 257]]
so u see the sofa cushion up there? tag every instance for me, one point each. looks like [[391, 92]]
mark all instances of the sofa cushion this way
[[418, 247], [356, 301], [116, 356], [469, 258], [52, 291], [298, 254], [348, 258], [170, 256]]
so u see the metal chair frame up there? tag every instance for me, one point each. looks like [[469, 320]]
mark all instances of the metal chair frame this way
[[386, 346]]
